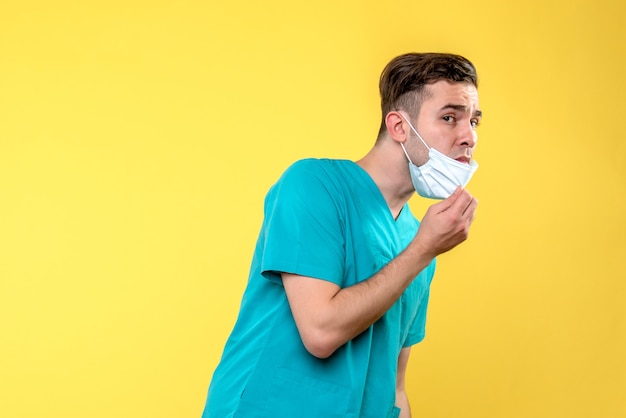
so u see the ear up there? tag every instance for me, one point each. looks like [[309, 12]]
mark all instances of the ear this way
[[396, 126]]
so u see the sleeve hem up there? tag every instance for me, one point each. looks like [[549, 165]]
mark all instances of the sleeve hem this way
[[412, 341], [273, 273]]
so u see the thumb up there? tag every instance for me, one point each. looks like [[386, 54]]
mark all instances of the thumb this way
[[447, 203]]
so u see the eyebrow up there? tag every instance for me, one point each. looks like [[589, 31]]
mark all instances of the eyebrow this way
[[462, 108]]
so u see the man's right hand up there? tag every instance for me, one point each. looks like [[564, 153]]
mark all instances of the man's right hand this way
[[446, 224]]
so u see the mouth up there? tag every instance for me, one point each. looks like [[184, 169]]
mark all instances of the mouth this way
[[464, 160]]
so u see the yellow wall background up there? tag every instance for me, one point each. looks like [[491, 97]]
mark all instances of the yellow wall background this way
[[137, 141]]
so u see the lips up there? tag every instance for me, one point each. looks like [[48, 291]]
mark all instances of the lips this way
[[464, 160]]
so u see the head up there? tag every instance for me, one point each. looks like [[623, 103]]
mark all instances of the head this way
[[404, 81]]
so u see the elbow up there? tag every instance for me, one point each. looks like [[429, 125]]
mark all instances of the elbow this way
[[319, 343], [321, 352]]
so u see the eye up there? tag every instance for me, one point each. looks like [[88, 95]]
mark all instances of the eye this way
[[449, 118], [475, 123]]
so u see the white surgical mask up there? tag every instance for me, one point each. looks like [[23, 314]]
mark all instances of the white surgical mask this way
[[439, 177]]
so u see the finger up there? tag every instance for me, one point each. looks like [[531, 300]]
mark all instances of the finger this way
[[447, 203], [470, 210], [463, 200]]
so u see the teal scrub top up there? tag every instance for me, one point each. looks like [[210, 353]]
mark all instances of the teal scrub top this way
[[325, 219]]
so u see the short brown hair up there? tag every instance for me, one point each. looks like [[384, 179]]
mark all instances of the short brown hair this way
[[403, 81]]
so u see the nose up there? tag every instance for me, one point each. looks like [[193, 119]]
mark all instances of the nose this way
[[467, 136]]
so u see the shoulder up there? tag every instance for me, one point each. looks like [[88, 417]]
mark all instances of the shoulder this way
[[314, 186], [316, 166], [314, 173]]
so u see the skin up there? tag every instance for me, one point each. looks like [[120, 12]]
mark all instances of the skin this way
[[402, 400], [328, 316], [447, 121]]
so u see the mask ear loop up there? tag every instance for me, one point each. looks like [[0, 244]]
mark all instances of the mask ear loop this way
[[405, 153], [416, 133]]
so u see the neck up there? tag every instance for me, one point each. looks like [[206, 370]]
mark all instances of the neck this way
[[388, 168]]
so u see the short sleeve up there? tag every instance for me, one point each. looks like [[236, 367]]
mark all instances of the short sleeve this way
[[303, 230], [417, 330]]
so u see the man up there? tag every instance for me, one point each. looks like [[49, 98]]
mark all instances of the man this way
[[339, 282]]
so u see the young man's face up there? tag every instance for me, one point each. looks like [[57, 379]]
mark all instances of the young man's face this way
[[448, 119]]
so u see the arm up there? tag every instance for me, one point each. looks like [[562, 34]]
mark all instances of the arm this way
[[402, 401], [328, 316]]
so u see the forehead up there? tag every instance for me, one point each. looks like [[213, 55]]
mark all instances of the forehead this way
[[443, 92]]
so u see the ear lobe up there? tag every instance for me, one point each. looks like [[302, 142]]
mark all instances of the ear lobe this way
[[396, 126]]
